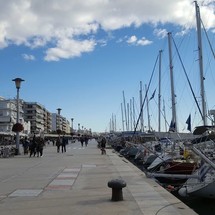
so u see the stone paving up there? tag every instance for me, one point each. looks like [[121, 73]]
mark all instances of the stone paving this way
[[75, 182]]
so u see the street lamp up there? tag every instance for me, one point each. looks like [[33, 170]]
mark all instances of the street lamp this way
[[58, 127], [59, 110], [18, 84], [72, 124]]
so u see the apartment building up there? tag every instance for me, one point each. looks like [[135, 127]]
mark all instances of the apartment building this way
[[34, 117], [8, 115], [60, 123], [39, 117]]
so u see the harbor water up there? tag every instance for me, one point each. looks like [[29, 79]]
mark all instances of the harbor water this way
[[201, 206]]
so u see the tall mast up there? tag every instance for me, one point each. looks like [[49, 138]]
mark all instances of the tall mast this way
[[126, 122], [141, 111], [147, 99], [115, 122], [159, 93], [164, 112], [133, 114], [123, 129], [174, 122], [198, 24]]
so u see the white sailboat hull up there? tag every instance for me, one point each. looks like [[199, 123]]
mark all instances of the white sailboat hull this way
[[197, 187], [203, 190]]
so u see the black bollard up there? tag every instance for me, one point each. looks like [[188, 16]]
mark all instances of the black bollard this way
[[117, 185]]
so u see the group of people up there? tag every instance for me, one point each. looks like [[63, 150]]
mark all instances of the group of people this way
[[84, 140], [34, 146]]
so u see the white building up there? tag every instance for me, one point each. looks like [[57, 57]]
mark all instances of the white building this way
[[60, 123], [8, 115]]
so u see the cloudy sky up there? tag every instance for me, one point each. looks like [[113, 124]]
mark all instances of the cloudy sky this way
[[80, 55]]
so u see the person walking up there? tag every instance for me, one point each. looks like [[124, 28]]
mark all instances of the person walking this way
[[40, 144], [58, 144], [103, 146], [82, 140], [64, 142], [25, 146], [32, 146], [86, 139]]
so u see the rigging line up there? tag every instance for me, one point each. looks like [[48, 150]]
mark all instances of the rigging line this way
[[187, 78], [141, 110], [163, 115], [208, 39]]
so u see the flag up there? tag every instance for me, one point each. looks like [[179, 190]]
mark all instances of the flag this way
[[188, 122], [153, 95]]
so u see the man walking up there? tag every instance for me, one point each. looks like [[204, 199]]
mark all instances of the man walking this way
[[64, 142]]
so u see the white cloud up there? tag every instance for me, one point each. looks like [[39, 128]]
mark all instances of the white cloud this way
[[161, 33], [28, 57], [144, 42], [39, 23], [132, 39], [139, 42], [67, 48]]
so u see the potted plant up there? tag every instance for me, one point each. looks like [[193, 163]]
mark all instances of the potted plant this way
[[17, 127]]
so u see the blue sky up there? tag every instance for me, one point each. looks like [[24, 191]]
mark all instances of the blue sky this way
[[80, 55]]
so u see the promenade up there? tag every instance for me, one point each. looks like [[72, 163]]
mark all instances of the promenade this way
[[75, 183]]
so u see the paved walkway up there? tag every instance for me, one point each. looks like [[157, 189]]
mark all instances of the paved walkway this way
[[75, 183]]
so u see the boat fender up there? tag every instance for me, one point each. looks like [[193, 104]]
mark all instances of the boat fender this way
[[183, 192], [170, 188]]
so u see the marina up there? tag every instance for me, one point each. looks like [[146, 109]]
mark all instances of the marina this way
[[155, 155]]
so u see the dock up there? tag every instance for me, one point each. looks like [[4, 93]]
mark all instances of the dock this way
[[75, 183]]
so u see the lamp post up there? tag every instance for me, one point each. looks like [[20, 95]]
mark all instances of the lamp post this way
[[72, 119], [18, 85], [58, 127], [78, 127]]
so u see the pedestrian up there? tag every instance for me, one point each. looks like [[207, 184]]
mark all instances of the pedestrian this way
[[40, 144], [32, 147], [58, 144], [25, 146], [103, 146], [64, 142], [82, 140], [86, 140]]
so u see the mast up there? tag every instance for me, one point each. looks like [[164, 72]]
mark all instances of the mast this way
[[164, 112], [126, 123], [123, 129], [147, 102], [173, 122], [198, 24], [141, 112], [115, 122], [159, 94], [110, 123], [131, 120], [133, 113]]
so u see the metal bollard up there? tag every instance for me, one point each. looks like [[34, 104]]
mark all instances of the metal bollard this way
[[117, 185]]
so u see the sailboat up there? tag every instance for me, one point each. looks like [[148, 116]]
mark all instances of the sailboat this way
[[202, 183]]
